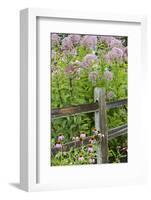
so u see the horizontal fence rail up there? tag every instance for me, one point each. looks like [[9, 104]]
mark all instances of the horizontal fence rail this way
[[112, 133], [84, 108]]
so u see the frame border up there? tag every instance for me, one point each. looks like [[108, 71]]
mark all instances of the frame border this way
[[28, 82]]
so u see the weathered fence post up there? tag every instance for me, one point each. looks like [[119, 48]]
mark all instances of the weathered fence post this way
[[101, 124]]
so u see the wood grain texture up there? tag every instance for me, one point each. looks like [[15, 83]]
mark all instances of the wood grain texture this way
[[99, 94], [84, 108]]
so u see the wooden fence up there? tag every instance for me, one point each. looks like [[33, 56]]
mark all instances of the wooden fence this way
[[99, 107]]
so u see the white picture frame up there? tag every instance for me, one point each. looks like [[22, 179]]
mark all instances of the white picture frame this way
[[29, 151]]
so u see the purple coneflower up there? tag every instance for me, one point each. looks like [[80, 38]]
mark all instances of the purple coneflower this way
[[82, 135], [61, 137], [81, 158], [58, 145], [90, 148], [92, 140]]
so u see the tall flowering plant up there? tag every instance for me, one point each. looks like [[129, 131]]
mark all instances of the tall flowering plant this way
[[79, 63]]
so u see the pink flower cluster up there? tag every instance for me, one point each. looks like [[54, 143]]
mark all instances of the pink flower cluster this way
[[111, 41], [55, 39], [59, 141], [89, 41], [116, 54]]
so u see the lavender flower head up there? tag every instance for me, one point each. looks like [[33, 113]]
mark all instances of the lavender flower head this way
[[75, 39], [90, 59], [111, 41], [108, 75], [93, 76], [71, 69], [55, 39], [89, 41], [105, 39], [116, 54], [116, 43], [67, 43]]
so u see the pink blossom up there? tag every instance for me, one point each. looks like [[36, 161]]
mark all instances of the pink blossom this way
[[81, 158], [61, 137], [82, 135], [58, 145], [92, 140], [90, 149]]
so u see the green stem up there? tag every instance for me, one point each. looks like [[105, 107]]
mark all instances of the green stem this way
[[59, 91], [71, 88]]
